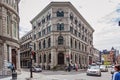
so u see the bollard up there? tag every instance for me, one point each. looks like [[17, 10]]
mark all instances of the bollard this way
[[14, 75]]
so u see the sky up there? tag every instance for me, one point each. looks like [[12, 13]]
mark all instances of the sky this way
[[102, 15]]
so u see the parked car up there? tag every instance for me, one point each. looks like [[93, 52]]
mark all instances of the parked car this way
[[36, 69], [103, 68], [93, 70]]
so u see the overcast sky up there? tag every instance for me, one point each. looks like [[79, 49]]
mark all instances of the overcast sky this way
[[102, 15]]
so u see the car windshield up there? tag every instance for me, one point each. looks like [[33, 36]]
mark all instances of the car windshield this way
[[94, 67]]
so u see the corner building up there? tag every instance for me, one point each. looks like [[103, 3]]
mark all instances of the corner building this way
[[60, 35], [9, 35]]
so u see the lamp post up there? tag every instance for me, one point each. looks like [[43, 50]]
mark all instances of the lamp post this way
[[31, 57]]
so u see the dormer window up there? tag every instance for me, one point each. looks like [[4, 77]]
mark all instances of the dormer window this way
[[60, 13]]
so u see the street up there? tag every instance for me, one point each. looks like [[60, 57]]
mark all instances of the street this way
[[61, 75]]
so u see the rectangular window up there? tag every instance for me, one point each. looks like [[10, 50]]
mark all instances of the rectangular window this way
[[71, 29], [34, 36], [15, 29], [39, 34], [76, 32], [8, 23], [43, 32], [49, 29]]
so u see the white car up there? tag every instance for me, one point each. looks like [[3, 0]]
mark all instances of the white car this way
[[103, 68], [36, 69], [94, 70]]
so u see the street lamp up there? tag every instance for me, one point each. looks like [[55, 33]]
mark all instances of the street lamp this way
[[31, 57]]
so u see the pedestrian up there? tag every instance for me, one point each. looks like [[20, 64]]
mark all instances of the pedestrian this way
[[12, 68], [76, 66], [69, 67], [116, 75]]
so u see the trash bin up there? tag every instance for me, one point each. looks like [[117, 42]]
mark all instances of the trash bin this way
[[14, 75]]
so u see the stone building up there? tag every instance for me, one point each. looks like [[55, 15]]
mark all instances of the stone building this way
[[60, 35], [25, 50], [9, 35], [96, 54]]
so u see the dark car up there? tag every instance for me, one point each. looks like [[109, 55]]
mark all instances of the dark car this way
[[36, 69]]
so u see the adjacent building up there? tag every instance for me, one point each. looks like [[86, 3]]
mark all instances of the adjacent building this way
[[9, 35], [25, 50], [60, 35]]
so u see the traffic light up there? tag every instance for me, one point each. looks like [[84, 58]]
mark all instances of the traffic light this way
[[34, 56]]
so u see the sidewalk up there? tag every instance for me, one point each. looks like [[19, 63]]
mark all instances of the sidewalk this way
[[25, 76], [41, 76]]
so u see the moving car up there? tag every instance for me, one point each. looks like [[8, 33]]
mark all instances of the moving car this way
[[36, 69], [93, 70], [103, 68]]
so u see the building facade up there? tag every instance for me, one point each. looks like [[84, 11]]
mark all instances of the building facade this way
[[60, 35], [96, 53], [25, 50], [9, 35]]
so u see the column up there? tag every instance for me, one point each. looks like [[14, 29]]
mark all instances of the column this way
[[10, 54], [18, 59], [5, 60]]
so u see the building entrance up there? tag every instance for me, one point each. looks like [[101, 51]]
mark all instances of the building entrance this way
[[14, 57], [60, 59]]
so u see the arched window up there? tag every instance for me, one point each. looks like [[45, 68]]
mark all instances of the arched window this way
[[44, 44], [60, 13], [44, 58], [60, 26], [60, 40], [49, 42], [39, 45], [49, 59]]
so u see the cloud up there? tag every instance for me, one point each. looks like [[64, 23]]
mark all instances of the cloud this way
[[23, 30]]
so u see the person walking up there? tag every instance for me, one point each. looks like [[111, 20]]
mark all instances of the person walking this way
[[116, 75], [12, 68]]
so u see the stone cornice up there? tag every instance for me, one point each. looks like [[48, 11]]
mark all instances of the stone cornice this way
[[8, 39], [11, 9]]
